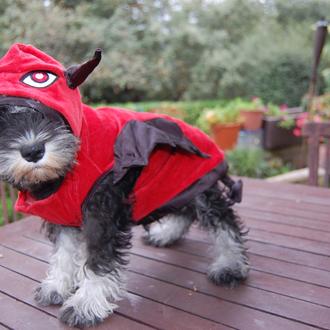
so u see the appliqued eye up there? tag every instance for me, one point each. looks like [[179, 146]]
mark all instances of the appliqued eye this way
[[39, 79]]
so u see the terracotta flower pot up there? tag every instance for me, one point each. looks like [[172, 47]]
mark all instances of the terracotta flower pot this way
[[252, 119], [225, 136]]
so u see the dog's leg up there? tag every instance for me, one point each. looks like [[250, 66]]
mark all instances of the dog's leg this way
[[107, 229], [214, 213], [59, 284], [167, 230], [97, 292]]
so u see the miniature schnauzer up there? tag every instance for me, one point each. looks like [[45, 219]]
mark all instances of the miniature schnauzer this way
[[38, 151]]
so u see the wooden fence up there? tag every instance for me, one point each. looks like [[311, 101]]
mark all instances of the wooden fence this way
[[8, 197]]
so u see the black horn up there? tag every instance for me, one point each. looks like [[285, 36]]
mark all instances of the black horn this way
[[77, 74]]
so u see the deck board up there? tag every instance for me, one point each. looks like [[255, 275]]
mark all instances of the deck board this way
[[288, 286]]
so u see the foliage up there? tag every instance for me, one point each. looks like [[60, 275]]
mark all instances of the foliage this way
[[320, 109], [243, 105], [254, 163], [189, 111], [273, 110], [10, 209], [319, 112], [225, 115], [175, 50]]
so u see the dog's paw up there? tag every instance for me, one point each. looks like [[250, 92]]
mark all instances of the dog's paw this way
[[74, 318], [167, 231], [228, 276], [86, 310], [45, 297], [154, 240]]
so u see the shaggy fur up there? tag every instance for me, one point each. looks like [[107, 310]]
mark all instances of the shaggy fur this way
[[86, 269]]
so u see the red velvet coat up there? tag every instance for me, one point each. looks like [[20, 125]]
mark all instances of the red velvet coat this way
[[173, 155]]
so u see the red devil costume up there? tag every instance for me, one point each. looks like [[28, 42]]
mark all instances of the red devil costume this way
[[178, 160]]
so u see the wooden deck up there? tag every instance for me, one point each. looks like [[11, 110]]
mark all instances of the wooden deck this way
[[288, 287]]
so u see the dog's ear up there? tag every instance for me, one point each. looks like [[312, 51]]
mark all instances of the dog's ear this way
[[77, 74]]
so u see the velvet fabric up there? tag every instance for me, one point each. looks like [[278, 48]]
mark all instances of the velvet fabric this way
[[180, 156]]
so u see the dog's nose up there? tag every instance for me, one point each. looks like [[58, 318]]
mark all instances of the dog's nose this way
[[33, 153]]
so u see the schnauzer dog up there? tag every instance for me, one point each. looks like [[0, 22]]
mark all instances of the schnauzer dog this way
[[93, 174]]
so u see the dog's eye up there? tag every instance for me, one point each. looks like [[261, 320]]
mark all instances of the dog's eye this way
[[39, 79]]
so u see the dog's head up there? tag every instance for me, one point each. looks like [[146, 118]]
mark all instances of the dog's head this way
[[40, 117]]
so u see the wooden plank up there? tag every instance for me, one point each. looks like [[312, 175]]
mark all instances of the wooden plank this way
[[288, 230], [258, 262], [301, 289], [153, 297], [135, 307], [14, 229], [313, 159], [316, 129], [196, 303], [327, 164], [17, 315], [200, 238], [282, 190], [289, 255], [279, 207], [295, 243], [212, 308], [252, 297], [276, 267], [296, 222], [251, 200], [247, 296]]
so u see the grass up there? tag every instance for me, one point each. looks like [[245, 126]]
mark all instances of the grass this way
[[10, 208]]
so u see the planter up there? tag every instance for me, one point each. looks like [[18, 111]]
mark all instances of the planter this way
[[276, 137], [225, 136], [252, 119]]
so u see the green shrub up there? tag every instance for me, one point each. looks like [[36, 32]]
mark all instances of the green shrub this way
[[283, 79], [10, 211], [189, 111], [255, 163]]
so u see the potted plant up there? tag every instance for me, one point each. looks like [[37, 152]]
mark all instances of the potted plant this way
[[278, 127], [251, 113], [223, 125]]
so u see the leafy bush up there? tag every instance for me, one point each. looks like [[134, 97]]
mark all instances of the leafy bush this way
[[188, 51], [283, 78], [189, 111], [225, 115], [9, 208], [255, 163]]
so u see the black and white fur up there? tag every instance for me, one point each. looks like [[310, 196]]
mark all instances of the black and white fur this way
[[86, 269]]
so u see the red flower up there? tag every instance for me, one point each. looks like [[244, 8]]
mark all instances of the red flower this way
[[283, 107], [297, 132], [301, 120]]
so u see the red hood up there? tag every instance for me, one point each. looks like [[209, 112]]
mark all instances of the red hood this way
[[22, 59]]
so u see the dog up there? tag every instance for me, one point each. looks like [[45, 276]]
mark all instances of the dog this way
[[93, 174]]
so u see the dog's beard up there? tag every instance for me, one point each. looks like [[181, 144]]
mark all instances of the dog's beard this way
[[28, 129]]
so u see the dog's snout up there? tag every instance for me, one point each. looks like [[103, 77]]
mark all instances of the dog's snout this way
[[33, 153]]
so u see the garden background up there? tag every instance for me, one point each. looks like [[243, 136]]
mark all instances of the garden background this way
[[181, 57], [177, 49]]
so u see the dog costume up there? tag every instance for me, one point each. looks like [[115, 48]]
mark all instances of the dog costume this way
[[178, 161]]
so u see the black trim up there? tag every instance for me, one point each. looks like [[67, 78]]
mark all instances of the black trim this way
[[52, 114]]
